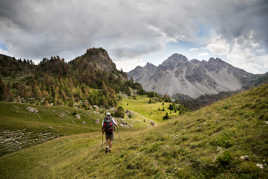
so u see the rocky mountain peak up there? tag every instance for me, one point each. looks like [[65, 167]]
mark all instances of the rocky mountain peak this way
[[193, 78], [178, 57], [174, 60], [97, 52], [96, 58], [195, 61], [149, 66], [216, 60]]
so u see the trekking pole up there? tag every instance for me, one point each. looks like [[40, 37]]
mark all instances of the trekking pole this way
[[118, 133], [101, 138]]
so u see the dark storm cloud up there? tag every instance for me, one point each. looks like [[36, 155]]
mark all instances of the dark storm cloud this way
[[35, 28], [240, 18]]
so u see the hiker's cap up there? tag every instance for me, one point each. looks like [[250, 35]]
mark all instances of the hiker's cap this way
[[108, 114]]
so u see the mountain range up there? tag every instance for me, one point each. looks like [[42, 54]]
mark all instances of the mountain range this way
[[178, 76]]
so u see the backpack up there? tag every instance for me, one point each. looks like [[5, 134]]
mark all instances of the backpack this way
[[108, 125]]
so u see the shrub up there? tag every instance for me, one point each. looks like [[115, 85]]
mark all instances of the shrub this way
[[224, 160], [129, 115], [171, 107], [222, 141], [166, 117], [119, 112]]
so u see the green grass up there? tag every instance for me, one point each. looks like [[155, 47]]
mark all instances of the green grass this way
[[20, 128], [206, 143], [153, 111], [56, 119]]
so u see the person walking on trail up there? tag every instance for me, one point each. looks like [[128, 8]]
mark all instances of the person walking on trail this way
[[108, 126]]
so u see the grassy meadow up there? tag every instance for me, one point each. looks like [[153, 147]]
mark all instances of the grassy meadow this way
[[208, 143], [151, 111]]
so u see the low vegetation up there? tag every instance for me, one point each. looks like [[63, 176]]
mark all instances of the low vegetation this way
[[228, 139], [152, 108]]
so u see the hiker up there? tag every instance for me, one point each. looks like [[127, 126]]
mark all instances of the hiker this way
[[108, 126]]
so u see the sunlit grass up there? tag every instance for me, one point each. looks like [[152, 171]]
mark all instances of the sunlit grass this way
[[153, 111]]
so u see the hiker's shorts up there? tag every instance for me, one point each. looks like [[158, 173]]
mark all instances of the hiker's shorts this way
[[109, 135]]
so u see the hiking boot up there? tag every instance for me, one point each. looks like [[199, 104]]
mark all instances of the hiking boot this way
[[106, 150]]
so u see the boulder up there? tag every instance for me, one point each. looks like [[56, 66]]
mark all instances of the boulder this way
[[31, 109], [77, 116], [84, 122], [61, 115], [219, 149], [96, 108], [244, 157], [259, 165]]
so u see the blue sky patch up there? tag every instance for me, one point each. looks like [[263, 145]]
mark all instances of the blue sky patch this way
[[3, 46]]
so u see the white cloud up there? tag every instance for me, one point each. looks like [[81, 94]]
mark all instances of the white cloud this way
[[130, 29], [5, 52], [204, 54], [218, 45], [243, 52], [129, 64]]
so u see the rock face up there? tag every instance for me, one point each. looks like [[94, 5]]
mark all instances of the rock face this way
[[97, 60], [178, 75]]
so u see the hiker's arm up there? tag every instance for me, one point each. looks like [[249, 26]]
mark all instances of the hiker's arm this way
[[116, 125], [102, 129]]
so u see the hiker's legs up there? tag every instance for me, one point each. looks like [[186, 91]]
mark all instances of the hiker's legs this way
[[109, 138], [110, 143], [107, 142]]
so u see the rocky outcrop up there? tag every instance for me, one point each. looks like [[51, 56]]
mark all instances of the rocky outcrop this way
[[31, 109]]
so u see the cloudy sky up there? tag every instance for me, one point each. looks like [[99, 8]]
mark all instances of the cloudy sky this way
[[140, 31]]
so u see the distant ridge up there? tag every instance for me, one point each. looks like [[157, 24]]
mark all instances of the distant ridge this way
[[179, 76]]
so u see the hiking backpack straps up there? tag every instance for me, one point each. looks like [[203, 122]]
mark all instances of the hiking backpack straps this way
[[108, 124]]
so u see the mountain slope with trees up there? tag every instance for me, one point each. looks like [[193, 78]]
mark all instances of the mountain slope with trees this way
[[91, 79]]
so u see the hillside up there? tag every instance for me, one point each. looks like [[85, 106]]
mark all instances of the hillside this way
[[228, 139], [25, 125], [88, 80]]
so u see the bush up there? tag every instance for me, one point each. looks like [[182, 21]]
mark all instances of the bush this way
[[119, 112], [166, 117], [223, 141], [171, 107], [224, 160], [129, 115]]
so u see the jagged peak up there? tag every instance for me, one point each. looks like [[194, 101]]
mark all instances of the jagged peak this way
[[174, 60], [211, 59], [96, 52], [177, 56], [148, 64], [195, 61], [137, 68]]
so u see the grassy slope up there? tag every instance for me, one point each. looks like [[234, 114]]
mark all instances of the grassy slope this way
[[203, 144], [20, 128], [59, 120], [150, 111]]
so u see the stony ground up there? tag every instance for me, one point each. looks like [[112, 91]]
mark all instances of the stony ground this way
[[13, 140]]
